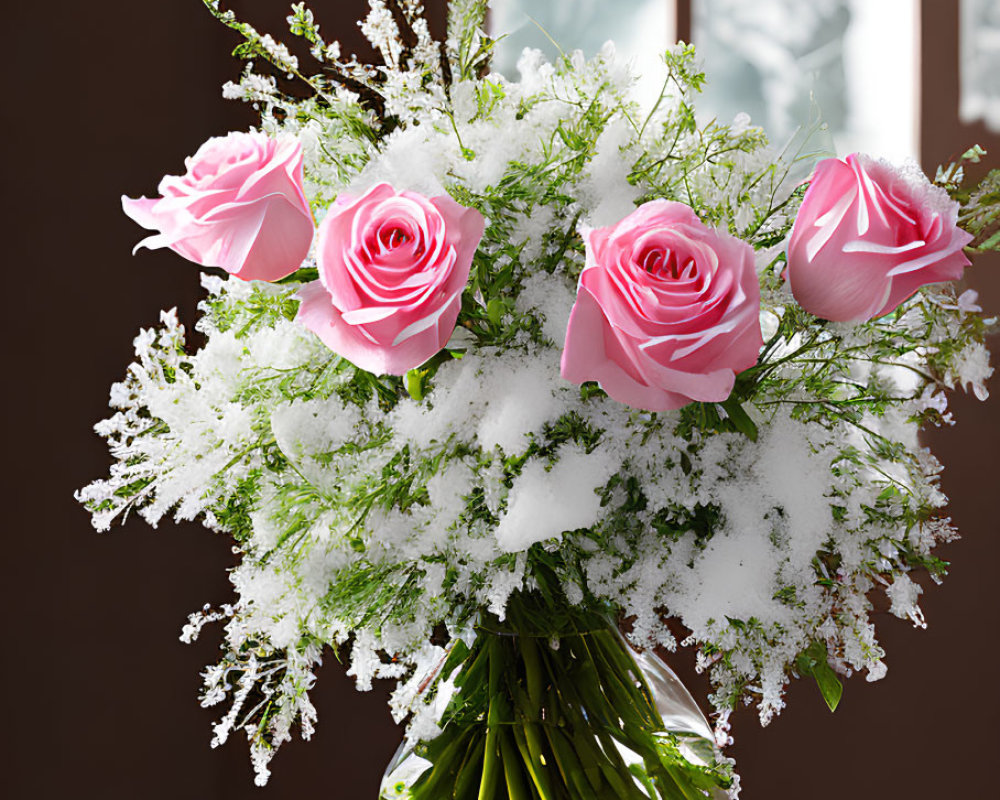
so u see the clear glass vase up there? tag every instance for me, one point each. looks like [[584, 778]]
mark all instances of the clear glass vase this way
[[553, 704]]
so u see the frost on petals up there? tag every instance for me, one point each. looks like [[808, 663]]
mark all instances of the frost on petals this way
[[867, 236]]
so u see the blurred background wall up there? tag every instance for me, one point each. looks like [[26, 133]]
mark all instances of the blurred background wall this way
[[99, 696]]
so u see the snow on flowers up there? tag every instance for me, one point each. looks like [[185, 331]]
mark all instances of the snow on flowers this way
[[540, 325], [868, 236]]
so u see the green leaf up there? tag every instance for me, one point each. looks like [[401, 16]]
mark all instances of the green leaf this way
[[494, 310], [974, 154], [993, 243], [466, 26], [813, 662], [740, 419], [415, 383], [570, 138]]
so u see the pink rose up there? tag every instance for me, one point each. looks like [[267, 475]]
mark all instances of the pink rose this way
[[667, 310], [392, 268], [240, 206], [867, 236]]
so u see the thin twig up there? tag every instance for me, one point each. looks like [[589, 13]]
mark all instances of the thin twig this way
[[368, 97], [984, 235], [446, 77], [407, 35]]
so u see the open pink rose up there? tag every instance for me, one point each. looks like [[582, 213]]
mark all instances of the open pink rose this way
[[867, 236], [240, 207], [392, 268], [667, 310]]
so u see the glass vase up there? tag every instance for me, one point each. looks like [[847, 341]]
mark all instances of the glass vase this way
[[552, 703]]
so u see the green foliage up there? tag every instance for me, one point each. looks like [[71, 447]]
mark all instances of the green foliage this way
[[415, 383], [253, 44], [466, 28], [301, 22], [813, 662], [235, 514], [684, 69], [981, 214], [681, 149], [980, 204], [265, 305], [952, 176], [370, 595], [726, 417]]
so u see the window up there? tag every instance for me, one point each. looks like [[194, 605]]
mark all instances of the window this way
[[641, 29], [855, 63], [980, 62]]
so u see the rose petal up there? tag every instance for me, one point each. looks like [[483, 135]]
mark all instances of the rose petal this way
[[393, 266], [868, 236], [241, 207], [667, 310]]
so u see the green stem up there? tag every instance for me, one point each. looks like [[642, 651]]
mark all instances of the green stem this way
[[491, 753], [530, 721]]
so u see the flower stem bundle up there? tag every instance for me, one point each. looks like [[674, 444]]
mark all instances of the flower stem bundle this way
[[550, 703]]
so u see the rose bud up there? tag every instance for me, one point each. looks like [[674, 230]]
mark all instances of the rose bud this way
[[392, 269], [867, 236], [667, 310], [240, 206]]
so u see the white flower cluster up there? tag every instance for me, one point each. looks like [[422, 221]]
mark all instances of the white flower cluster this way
[[387, 518]]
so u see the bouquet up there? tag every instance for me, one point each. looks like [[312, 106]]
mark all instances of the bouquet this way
[[508, 387]]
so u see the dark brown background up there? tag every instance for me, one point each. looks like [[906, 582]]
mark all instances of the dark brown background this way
[[99, 698]]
